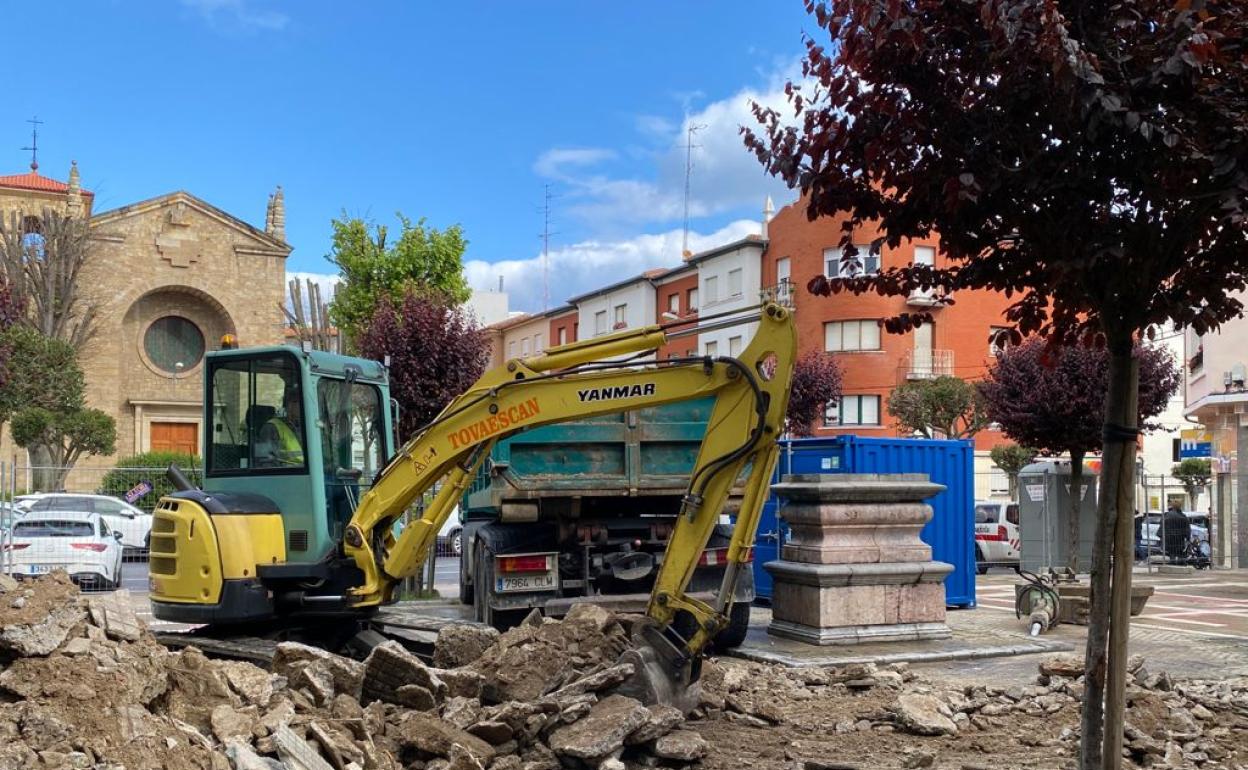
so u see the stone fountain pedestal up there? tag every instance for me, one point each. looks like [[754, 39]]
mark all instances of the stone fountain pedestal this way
[[854, 569]]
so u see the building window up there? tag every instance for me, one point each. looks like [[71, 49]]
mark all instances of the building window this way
[[537, 342], [711, 349], [711, 287], [621, 316], [842, 336], [734, 283], [839, 266], [511, 349], [734, 346], [852, 410], [600, 322], [563, 335], [673, 303], [524, 346], [173, 344], [691, 300], [998, 341], [576, 330], [783, 269], [998, 482]]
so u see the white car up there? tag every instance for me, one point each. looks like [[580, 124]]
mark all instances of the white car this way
[[997, 541], [134, 524], [82, 544]]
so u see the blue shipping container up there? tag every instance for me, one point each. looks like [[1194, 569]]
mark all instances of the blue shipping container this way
[[950, 533]]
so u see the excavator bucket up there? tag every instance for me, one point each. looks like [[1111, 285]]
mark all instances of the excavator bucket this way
[[664, 672]]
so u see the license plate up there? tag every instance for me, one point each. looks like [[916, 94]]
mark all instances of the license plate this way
[[545, 582], [38, 569]]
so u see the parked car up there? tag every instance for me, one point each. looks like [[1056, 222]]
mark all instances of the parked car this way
[[81, 543], [996, 535], [134, 524]]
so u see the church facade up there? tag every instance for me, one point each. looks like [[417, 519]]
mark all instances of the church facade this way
[[169, 277]]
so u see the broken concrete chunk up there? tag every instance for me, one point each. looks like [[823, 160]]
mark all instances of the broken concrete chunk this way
[[114, 613], [296, 753], [1070, 666], [243, 758], [415, 697], [921, 714], [589, 614], [254, 685], [492, 731], [434, 736], [461, 644], [346, 673], [601, 680], [41, 637], [602, 731], [229, 723], [460, 683], [681, 745], [388, 667], [663, 719]]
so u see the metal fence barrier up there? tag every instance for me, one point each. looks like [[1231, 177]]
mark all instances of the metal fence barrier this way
[[1219, 529], [95, 524]]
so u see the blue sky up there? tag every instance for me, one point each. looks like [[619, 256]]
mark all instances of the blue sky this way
[[458, 112]]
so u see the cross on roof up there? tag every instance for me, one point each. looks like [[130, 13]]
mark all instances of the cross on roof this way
[[35, 122]]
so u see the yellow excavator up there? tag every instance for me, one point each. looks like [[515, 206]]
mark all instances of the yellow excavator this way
[[285, 531]]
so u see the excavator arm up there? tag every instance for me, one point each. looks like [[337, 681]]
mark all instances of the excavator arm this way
[[580, 380]]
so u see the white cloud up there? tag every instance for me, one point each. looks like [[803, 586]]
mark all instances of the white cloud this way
[[581, 267], [554, 163], [237, 16], [727, 178]]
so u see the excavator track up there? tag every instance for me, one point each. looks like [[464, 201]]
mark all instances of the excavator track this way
[[415, 627]]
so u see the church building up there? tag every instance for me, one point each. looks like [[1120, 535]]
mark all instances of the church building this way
[[169, 277]]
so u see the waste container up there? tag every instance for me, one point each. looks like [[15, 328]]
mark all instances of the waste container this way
[[950, 533]]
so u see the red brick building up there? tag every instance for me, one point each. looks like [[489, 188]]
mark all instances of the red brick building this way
[[676, 294], [873, 361]]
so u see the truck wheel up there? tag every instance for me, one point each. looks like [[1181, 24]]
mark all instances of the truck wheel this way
[[499, 619], [465, 585], [981, 566], [738, 624]]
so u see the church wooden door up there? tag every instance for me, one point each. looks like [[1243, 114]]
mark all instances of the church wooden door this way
[[175, 437]]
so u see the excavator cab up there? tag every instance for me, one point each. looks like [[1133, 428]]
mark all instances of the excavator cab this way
[[291, 439]]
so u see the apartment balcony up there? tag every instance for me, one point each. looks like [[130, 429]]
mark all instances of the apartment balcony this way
[[927, 364], [925, 298], [782, 294]]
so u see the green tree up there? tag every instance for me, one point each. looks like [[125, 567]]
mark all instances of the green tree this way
[[149, 466], [43, 399], [1012, 458], [42, 372], [943, 407], [57, 440], [1194, 474], [371, 269]]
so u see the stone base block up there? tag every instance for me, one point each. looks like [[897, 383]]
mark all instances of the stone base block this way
[[852, 603], [848, 635]]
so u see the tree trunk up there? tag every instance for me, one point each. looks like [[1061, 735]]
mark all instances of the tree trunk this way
[[1118, 461], [1013, 477], [1076, 507]]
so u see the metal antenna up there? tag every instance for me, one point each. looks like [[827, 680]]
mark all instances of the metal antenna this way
[[689, 148], [35, 122], [545, 236]]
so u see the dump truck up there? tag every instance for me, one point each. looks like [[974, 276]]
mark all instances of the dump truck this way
[[592, 503]]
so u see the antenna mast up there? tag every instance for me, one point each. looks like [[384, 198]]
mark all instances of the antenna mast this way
[[689, 148], [545, 236]]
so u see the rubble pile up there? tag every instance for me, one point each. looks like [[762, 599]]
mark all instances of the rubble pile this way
[[858, 708], [83, 685]]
